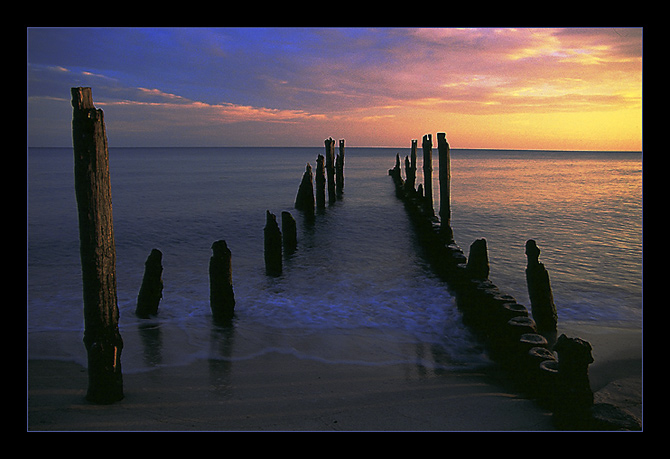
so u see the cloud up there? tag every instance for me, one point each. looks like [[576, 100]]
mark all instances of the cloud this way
[[355, 79]]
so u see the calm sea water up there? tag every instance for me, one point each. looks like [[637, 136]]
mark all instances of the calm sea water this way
[[357, 289]]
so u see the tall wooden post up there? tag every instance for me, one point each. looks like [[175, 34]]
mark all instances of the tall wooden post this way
[[427, 145], [445, 178], [97, 249]]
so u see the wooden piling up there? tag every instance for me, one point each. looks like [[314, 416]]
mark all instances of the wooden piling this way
[[478, 260], [102, 338], [573, 388], [304, 200], [330, 168], [445, 179], [427, 145], [289, 233], [411, 170], [540, 294], [221, 294], [339, 171], [272, 245], [320, 182], [151, 290]]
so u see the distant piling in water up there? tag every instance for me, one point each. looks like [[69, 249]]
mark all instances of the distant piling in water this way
[[427, 145], [221, 294], [102, 338], [339, 171], [330, 168], [320, 181], [151, 290], [445, 178], [289, 233], [304, 201], [272, 245]]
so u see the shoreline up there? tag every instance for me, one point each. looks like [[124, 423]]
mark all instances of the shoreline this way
[[282, 392]]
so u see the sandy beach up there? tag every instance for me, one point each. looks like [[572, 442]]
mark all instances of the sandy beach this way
[[280, 392]]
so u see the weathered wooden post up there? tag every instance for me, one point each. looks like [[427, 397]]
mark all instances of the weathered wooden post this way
[[427, 145], [93, 192], [573, 391], [330, 168], [304, 201], [151, 290], [273, 245], [339, 171], [320, 182], [221, 294], [539, 293], [445, 178], [410, 184], [289, 232], [478, 260]]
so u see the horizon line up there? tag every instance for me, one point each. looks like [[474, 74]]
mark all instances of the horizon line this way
[[356, 146]]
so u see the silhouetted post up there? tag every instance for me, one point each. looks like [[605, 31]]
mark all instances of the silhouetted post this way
[[445, 178], [320, 182], [97, 249], [539, 292], [221, 294], [151, 290], [330, 168], [273, 245], [304, 201], [574, 394], [411, 175], [478, 260], [427, 145], [339, 171], [289, 232]]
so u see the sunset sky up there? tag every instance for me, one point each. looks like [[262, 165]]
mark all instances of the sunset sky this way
[[558, 89]]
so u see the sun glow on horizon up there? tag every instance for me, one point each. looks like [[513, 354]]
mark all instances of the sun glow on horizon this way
[[546, 89]]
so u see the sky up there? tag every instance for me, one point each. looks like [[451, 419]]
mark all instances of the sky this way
[[543, 89]]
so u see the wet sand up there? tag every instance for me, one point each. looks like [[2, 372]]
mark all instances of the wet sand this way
[[280, 392]]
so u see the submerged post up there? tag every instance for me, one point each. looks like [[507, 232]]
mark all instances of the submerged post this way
[[221, 294], [427, 145], [272, 245], [102, 339], [539, 293], [151, 290], [339, 171], [330, 168]]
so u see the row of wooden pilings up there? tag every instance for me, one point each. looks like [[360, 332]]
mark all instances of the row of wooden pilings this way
[[277, 242], [551, 370], [102, 338]]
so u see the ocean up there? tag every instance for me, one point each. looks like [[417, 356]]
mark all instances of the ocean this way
[[357, 289]]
